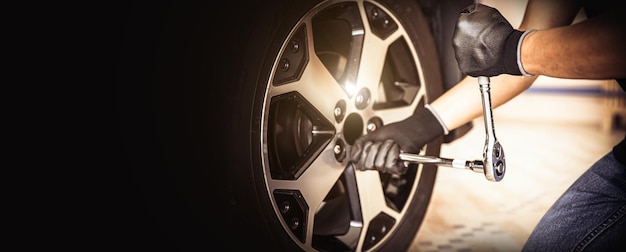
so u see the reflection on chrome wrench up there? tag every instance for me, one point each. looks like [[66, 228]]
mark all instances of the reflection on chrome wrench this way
[[474, 165], [493, 153]]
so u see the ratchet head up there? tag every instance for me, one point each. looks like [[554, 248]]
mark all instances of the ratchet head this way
[[494, 161]]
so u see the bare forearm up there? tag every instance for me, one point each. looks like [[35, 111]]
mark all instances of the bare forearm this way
[[462, 103], [591, 49]]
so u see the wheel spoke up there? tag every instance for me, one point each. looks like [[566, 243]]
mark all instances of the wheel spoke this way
[[369, 184], [373, 61], [316, 181]]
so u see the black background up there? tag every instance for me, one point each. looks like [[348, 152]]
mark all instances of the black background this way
[[168, 66]]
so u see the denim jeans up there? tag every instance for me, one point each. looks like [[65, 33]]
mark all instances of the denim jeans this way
[[589, 216]]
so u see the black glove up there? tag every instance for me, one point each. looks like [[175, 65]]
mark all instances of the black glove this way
[[380, 149], [485, 43]]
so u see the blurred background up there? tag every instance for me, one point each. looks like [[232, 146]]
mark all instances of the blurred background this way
[[551, 134]]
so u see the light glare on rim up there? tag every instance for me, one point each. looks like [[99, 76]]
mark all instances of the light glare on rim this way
[[350, 88]]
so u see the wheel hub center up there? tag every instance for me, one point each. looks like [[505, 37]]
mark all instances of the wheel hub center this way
[[353, 128]]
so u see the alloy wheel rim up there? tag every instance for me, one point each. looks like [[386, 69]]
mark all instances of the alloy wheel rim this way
[[346, 68]]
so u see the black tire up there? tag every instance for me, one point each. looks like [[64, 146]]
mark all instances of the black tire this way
[[265, 158], [202, 122]]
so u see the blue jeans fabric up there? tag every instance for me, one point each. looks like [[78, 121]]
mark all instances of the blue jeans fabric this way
[[589, 216]]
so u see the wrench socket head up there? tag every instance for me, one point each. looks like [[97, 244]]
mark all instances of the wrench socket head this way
[[494, 161]]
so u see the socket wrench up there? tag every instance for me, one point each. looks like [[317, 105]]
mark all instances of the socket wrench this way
[[493, 164], [493, 153]]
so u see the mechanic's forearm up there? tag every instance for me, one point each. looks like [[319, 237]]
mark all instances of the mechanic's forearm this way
[[591, 49], [542, 14], [463, 102]]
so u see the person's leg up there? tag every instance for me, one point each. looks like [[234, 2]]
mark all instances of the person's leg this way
[[590, 215]]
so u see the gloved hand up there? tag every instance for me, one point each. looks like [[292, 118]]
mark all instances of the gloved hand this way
[[380, 149], [485, 43]]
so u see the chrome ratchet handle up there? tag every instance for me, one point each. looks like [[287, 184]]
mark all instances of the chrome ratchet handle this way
[[474, 165], [493, 153]]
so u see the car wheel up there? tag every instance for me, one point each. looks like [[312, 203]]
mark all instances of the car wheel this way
[[311, 78]]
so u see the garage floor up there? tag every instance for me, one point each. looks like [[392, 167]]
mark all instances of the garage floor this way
[[469, 213]]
